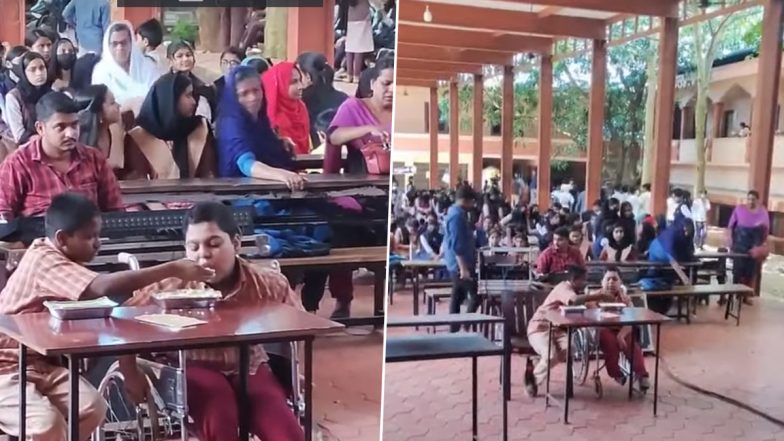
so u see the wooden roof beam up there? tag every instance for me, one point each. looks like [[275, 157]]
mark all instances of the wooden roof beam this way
[[548, 11], [437, 66], [452, 55], [658, 8], [415, 82], [424, 75], [502, 21], [490, 41]]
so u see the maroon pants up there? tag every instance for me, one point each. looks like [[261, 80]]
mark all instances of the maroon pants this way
[[212, 403], [608, 341]]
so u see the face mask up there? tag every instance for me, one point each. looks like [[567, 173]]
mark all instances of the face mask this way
[[66, 61]]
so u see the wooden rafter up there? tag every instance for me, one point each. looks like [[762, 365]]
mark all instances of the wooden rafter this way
[[438, 66], [659, 8], [452, 55], [458, 38]]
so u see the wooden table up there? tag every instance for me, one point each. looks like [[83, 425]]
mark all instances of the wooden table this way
[[309, 161], [372, 258], [334, 181], [122, 335], [447, 346], [418, 266], [591, 318], [736, 293]]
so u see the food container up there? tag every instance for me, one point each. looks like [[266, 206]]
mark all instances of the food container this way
[[569, 310], [612, 306], [187, 299], [80, 310]]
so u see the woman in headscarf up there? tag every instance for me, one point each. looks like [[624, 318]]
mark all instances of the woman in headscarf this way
[[170, 141], [62, 63], [247, 145], [123, 68], [258, 62], [619, 247], [360, 121], [748, 230], [8, 77], [101, 124], [20, 102], [182, 59], [320, 97], [287, 113]]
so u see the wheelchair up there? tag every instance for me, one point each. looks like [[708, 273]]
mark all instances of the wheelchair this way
[[165, 414], [586, 352]]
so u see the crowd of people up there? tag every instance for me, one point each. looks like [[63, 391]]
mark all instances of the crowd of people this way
[[457, 226], [73, 127]]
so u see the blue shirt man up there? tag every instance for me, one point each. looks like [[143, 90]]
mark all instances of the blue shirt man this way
[[460, 244], [90, 22]]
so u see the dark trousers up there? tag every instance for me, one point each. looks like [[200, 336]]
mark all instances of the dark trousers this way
[[462, 290]]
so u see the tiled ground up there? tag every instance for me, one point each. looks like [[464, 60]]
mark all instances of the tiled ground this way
[[432, 400], [347, 371]]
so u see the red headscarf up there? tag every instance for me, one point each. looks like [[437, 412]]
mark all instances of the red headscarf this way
[[289, 117]]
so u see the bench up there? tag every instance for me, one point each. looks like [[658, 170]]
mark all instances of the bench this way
[[736, 292]]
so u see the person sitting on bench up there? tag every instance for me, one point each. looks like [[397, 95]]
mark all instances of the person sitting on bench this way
[[565, 293]]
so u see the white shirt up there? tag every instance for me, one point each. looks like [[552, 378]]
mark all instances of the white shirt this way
[[635, 201], [644, 203], [671, 206], [699, 209], [618, 195]]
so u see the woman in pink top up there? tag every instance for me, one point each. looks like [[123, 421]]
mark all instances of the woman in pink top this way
[[748, 234]]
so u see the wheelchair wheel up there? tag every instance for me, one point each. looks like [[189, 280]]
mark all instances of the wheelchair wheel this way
[[581, 354], [123, 419]]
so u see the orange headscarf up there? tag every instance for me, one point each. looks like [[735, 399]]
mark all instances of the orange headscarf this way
[[288, 116]]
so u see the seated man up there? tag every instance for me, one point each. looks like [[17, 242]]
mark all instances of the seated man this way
[[565, 293], [51, 269], [212, 240], [55, 162], [559, 255], [614, 340]]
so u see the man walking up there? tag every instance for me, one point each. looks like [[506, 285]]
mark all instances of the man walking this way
[[460, 252]]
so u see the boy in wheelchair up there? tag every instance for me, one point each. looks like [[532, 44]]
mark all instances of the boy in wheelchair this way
[[212, 240], [613, 341], [564, 293], [52, 269]]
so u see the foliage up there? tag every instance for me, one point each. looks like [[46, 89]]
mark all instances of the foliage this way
[[185, 30]]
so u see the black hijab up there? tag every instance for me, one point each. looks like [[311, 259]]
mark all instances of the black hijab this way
[[160, 118], [321, 98], [30, 94]]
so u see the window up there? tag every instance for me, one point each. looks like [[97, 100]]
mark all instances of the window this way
[[728, 124]]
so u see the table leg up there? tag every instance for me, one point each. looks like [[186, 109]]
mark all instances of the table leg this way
[[415, 287], [242, 394], [474, 406], [308, 389], [547, 385], [379, 286], [656, 372], [631, 361], [740, 305], [73, 408], [505, 397], [22, 392], [568, 374]]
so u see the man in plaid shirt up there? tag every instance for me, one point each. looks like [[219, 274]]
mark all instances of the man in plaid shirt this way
[[55, 162]]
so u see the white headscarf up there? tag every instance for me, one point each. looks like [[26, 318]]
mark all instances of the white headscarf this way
[[126, 86]]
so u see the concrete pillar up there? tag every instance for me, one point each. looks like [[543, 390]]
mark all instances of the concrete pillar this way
[[435, 182], [763, 123], [136, 15], [545, 130], [593, 175], [454, 134], [13, 28], [507, 131], [477, 163], [665, 100], [311, 30]]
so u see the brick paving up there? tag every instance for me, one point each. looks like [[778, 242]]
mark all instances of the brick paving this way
[[432, 400]]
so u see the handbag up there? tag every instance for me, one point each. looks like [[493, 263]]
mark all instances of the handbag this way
[[377, 157]]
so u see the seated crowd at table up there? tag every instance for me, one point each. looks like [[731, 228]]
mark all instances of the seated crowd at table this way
[[72, 128], [458, 226]]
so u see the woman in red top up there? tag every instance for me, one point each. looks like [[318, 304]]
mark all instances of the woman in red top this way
[[287, 113]]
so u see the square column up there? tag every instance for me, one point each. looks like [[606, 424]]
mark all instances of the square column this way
[[507, 131], [665, 102], [593, 175], [454, 134], [545, 130], [433, 126], [479, 103]]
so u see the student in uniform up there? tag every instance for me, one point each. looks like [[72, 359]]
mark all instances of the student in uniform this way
[[564, 294], [52, 269], [55, 162], [212, 241]]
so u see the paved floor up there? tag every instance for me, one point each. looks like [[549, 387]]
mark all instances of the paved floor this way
[[432, 400]]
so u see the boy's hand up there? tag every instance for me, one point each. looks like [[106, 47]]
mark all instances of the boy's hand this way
[[188, 270]]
